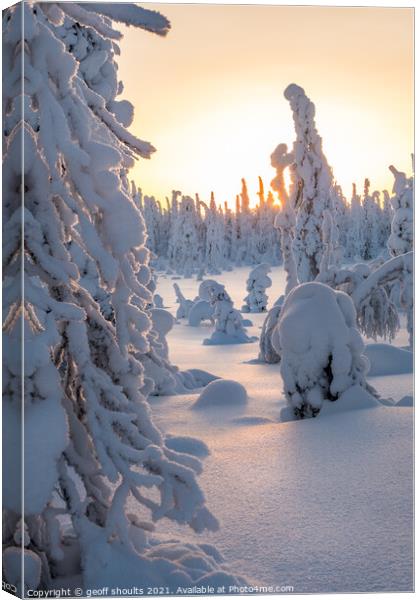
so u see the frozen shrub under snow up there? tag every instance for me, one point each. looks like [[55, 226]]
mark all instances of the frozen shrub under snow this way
[[229, 326], [185, 305], [321, 349], [222, 392], [258, 281]]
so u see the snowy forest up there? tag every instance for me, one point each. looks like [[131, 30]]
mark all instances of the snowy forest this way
[[213, 399]]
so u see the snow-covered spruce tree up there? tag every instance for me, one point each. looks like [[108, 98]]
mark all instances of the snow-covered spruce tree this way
[[84, 387], [355, 228], [185, 259], [285, 220], [173, 214], [152, 217], [371, 223], [258, 281], [401, 238], [229, 241], [229, 328], [245, 227], [337, 211], [321, 350], [313, 185], [386, 220], [264, 234], [214, 239]]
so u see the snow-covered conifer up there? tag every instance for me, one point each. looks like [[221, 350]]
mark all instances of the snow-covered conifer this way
[[285, 219], [245, 227], [258, 281], [214, 239], [313, 185], [401, 238], [371, 223], [84, 378], [355, 228], [229, 328], [184, 244]]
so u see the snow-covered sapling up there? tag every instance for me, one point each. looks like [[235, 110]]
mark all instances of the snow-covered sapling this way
[[229, 328], [258, 281], [184, 303]]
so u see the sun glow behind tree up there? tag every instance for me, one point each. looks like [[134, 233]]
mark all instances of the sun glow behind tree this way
[[211, 95]]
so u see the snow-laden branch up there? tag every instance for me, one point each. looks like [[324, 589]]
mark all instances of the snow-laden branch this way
[[391, 270], [131, 14]]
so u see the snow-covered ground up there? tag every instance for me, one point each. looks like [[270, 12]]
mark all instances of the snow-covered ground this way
[[323, 505]]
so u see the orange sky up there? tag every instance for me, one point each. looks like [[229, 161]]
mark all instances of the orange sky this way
[[209, 96]]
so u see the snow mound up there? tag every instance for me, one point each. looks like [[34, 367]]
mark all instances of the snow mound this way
[[13, 568], [406, 401], [388, 360], [200, 311], [220, 338], [250, 420], [247, 322], [222, 392], [355, 398], [153, 563], [187, 445]]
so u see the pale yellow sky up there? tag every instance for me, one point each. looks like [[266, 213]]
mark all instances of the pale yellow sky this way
[[209, 96]]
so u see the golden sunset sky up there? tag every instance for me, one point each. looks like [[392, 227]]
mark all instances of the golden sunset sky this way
[[209, 96]]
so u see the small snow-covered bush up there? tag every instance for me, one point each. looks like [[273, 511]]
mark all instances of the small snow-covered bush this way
[[229, 327], [184, 303], [258, 281], [321, 349]]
